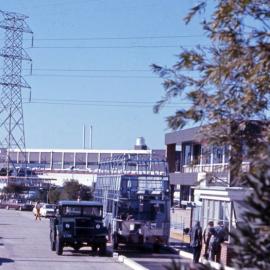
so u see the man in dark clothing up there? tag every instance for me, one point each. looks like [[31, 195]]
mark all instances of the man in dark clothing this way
[[220, 236], [196, 241]]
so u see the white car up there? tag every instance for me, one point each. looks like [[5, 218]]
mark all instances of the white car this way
[[47, 210]]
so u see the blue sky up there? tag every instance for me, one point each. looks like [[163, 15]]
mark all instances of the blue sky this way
[[91, 63]]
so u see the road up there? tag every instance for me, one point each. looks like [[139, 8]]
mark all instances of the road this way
[[24, 245]]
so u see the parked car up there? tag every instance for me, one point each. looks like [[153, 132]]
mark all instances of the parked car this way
[[18, 204], [47, 210]]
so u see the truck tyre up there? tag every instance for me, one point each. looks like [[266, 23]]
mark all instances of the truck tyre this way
[[94, 248], [52, 241], [76, 247], [59, 246], [102, 249]]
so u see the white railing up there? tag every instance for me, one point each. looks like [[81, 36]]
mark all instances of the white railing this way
[[215, 167]]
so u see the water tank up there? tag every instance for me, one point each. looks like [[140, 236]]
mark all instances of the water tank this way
[[140, 144], [140, 141]]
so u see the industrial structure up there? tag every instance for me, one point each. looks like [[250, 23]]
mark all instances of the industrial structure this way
[[77, 164], [11, 110]]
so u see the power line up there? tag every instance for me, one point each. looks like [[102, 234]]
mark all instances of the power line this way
[[101, 101], [111, 47], [94, 76], [104, 103], [99, 105], [120, 38], [91, 70]]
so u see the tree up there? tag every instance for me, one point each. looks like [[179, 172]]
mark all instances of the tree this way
[[54, 194], [229, 89], [13, 188], [72, 190]]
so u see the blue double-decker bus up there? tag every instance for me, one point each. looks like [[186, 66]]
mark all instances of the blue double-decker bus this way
[[136, 201]]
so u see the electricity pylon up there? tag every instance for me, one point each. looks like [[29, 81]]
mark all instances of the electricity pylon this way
[[11, 110]]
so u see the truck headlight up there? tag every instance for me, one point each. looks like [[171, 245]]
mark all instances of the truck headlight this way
[[98, 226]]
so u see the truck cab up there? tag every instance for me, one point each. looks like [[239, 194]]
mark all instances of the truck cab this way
[[78, 224]]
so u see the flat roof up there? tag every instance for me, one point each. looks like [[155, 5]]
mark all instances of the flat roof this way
[[106, 151], [79, 203], [185, 135]]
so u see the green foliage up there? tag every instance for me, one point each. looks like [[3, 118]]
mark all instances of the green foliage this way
[[230, 88], [54, 194], [14, 189], [71, 190], [232, 75], [252, 238]]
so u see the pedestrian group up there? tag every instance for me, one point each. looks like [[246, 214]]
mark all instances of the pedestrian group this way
[[212, 237]]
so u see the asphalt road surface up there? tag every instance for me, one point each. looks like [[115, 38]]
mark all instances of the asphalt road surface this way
[[25, 245], [153, 261]]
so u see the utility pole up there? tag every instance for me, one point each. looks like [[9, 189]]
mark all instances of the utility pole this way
[[91, 137], [83, 136], [12, 135]]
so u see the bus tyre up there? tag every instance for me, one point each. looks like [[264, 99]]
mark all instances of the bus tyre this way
[[114, 241], [59, 246], [156, 247]]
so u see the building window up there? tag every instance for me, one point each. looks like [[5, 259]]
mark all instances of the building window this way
[[215, 210], [187, 154], [217, 154], [206, 155]]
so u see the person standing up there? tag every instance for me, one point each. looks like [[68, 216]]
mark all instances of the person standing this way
[[214, 246], [37, 207], [206, 238], [196, 241], [220, 237]]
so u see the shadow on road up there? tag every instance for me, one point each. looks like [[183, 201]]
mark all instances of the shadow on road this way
[[82, 253], [5, 260]]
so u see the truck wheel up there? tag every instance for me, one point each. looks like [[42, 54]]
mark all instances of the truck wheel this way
[[76, 247], [94, 248], [52, 241], [59, 246], [102, 249]]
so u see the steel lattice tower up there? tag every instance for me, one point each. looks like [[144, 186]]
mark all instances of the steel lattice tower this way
[[11, 110]]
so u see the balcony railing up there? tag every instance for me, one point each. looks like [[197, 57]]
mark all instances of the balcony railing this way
[[213, 168]]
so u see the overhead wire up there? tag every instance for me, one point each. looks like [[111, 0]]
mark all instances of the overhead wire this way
[[120, 38], [93, 76], [102, 103], [114, 47]]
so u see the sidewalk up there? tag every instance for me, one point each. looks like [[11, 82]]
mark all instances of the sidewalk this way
[[180, 243]]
